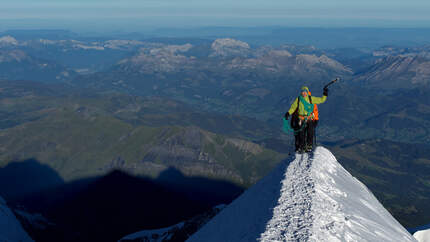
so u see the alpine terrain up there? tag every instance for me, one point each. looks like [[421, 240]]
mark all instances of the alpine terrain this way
[[309, 198], [10, 229]]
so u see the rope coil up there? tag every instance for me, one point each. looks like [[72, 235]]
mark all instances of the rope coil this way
[[286, 127]]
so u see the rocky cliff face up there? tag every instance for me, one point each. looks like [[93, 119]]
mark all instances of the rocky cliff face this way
[[159, 59], [398, 72], [229, 47]]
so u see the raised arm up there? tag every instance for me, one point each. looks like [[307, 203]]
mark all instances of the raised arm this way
[[293, 106], [318, 100]]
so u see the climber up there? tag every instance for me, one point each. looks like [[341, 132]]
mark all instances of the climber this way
[[304, 118]]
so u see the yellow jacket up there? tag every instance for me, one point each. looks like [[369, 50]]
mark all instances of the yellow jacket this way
[[302, 111]]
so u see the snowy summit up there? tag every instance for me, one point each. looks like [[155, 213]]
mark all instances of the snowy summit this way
[[311, 198]]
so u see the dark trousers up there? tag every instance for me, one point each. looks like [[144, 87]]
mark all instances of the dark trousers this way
[[306, 135]]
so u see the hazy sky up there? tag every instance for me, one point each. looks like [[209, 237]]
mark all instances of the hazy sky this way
[[326, 13]]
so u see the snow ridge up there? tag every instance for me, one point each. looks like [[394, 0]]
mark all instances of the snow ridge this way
[[311, 198], [345, 210], [294, 205]]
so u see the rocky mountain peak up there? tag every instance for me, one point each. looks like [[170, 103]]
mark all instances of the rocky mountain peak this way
[[280, 53], [398, 72], [312, 60], [163, 58], [8, 41], [229, 47]]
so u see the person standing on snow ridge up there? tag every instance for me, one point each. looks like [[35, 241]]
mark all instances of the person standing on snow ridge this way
[[303, 119]]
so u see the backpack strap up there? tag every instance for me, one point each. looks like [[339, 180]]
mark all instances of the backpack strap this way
[[315, 106]]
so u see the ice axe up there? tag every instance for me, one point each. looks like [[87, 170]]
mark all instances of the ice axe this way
[[328, 84]]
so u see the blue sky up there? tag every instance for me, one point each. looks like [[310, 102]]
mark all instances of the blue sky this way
[[185, 13]]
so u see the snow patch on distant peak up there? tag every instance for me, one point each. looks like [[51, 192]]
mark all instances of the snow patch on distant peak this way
[[312, 199], [8, 40], [228, 42], [229, 47]]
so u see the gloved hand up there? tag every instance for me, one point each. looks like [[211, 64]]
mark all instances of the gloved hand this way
[[287, 115], [325, 91]]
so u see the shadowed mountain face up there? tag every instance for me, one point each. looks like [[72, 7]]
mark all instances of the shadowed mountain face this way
[[110, 207], [10, 228], [21, 178], [206, 191]]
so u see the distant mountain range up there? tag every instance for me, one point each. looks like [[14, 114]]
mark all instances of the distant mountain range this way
[[403, 72], [230, 77], [210, 108], [18, 65], [292, 61]]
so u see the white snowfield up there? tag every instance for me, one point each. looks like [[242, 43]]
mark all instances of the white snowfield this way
[[422, 235], [310, 198], [10, 228]]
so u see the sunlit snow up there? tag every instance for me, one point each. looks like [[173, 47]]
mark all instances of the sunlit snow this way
[[422, 235], [310, 197]]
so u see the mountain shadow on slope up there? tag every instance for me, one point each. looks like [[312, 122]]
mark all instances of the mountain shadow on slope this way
[[109, 207], [203, 190], [21, 178]]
